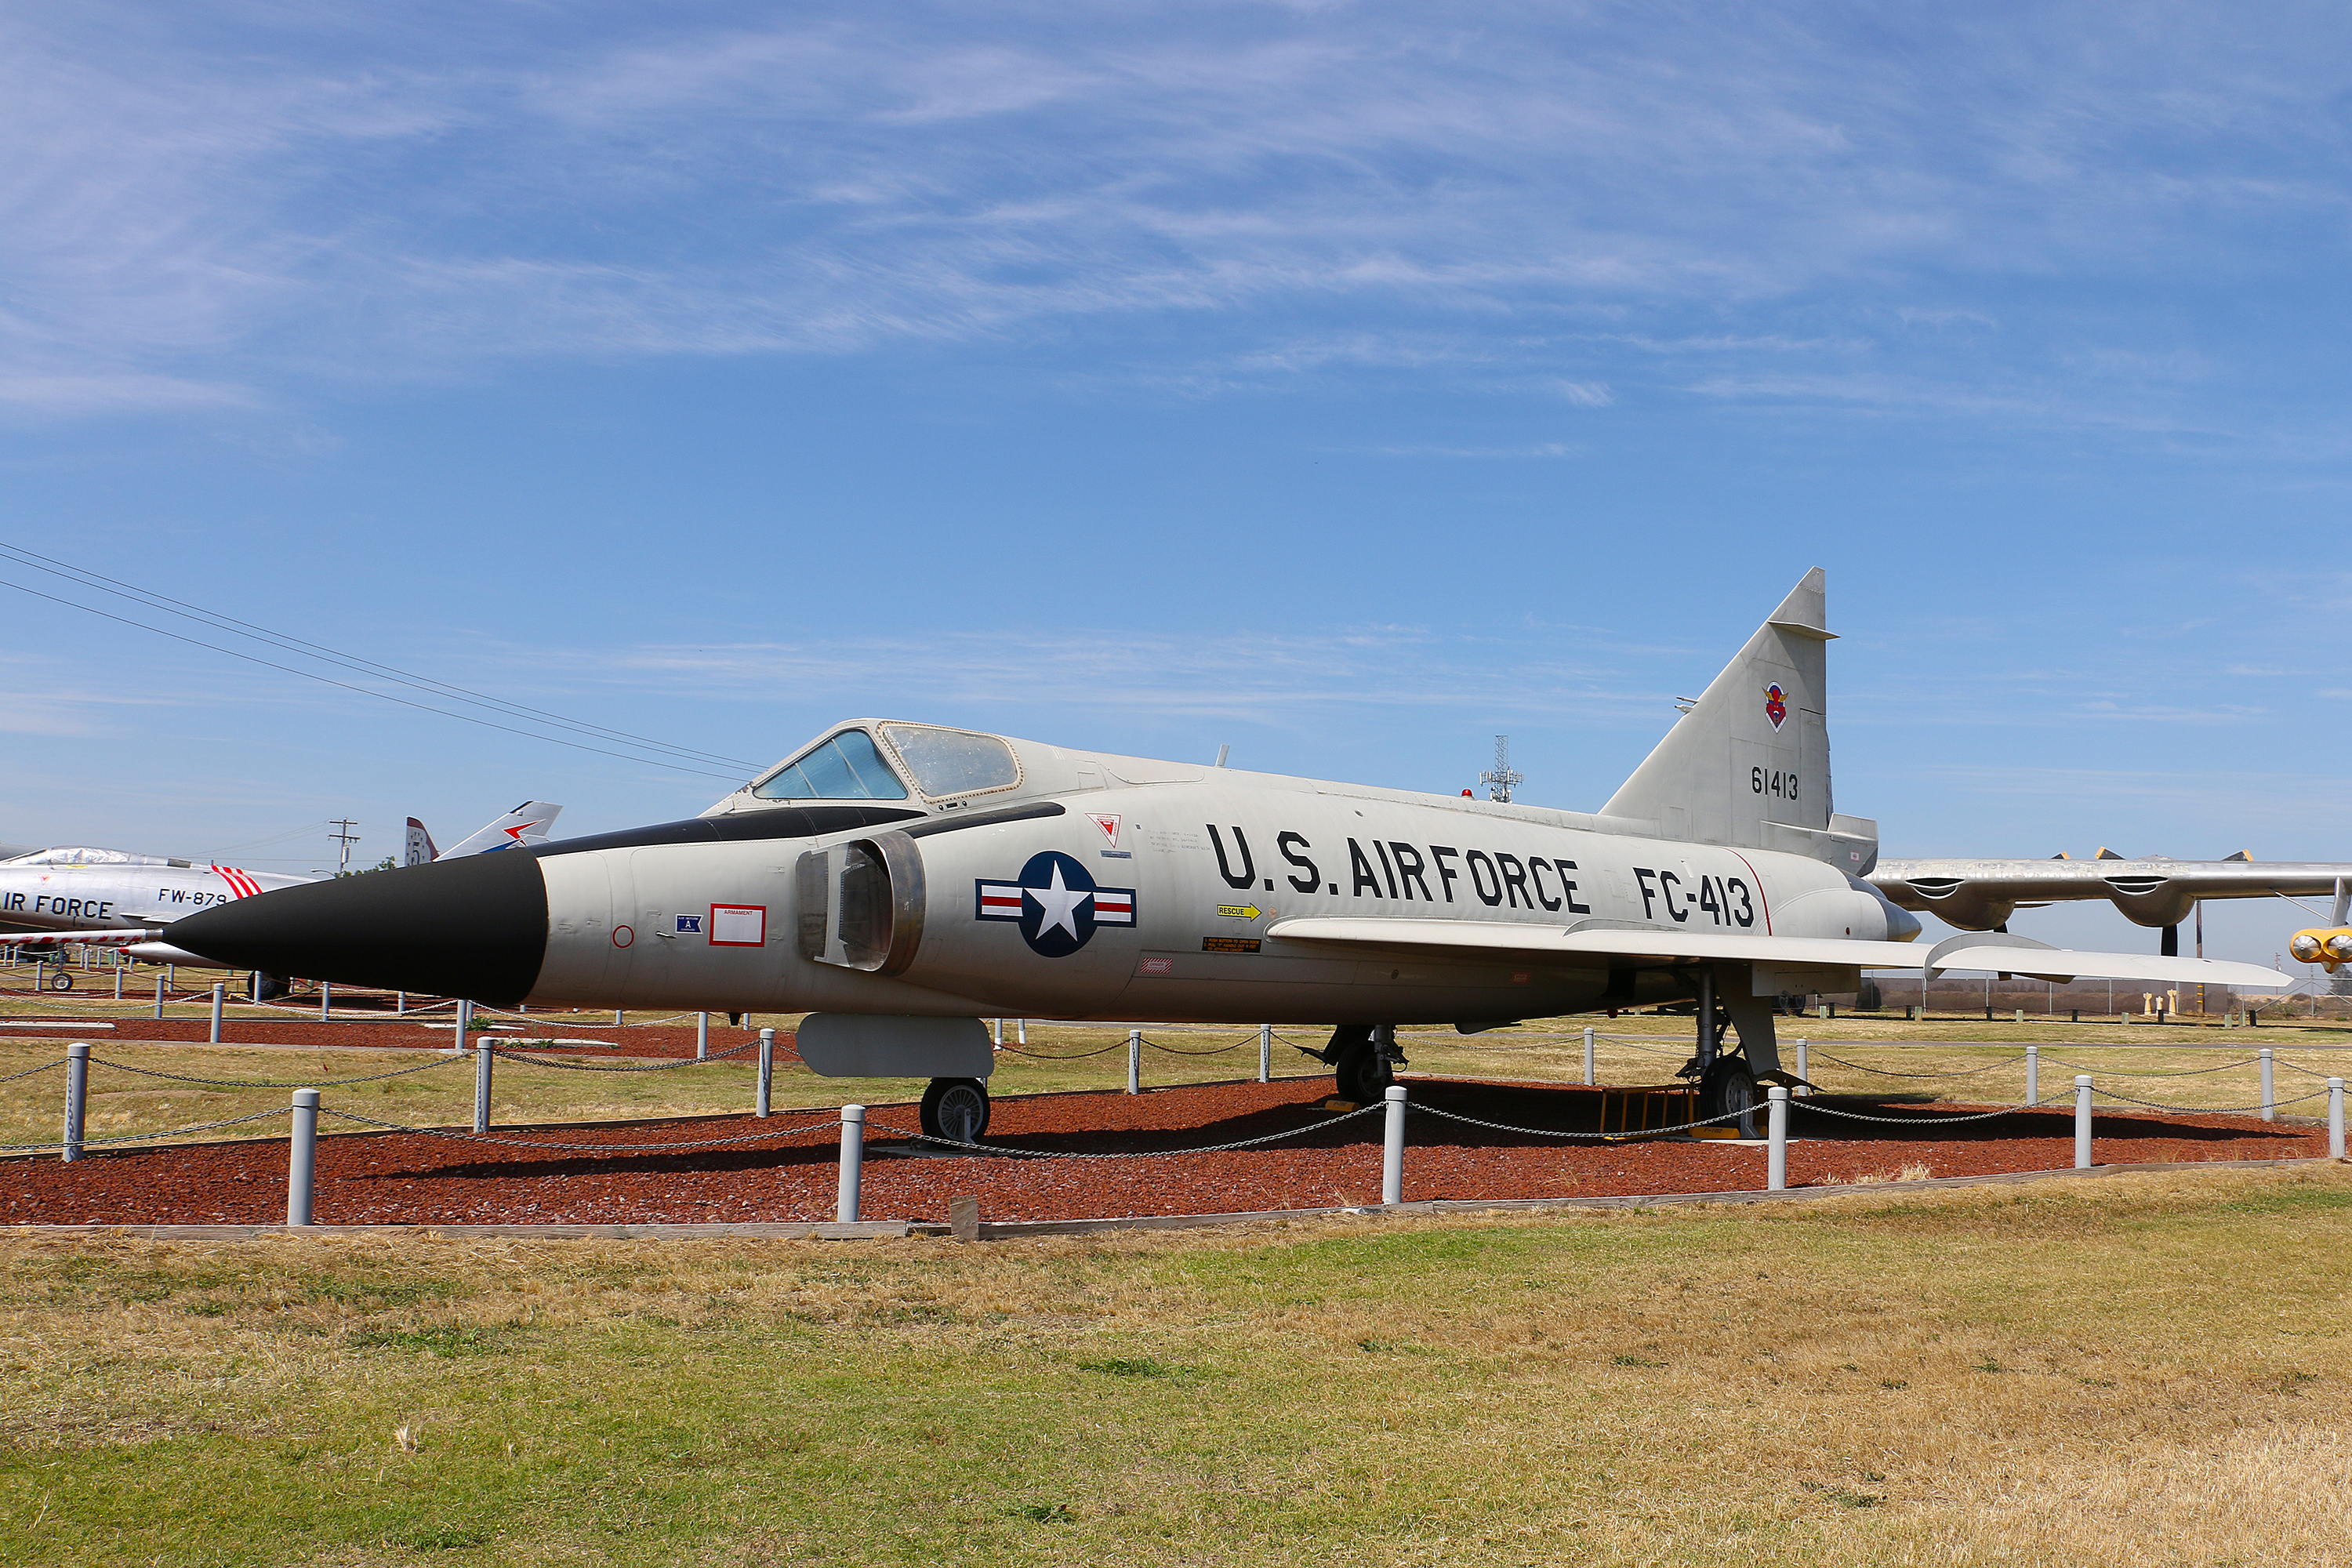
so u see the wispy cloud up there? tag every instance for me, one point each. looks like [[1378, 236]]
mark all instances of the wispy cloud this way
[[354, 192], [1246, 676]]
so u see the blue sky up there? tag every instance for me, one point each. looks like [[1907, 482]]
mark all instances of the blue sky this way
[[1346, 383]]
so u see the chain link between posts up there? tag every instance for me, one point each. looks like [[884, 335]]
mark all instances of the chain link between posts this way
[[1221, 1050], [1553, 1132], [1884, 1072], [45, 1066], [148, 1137], [1813, 1105], [2128, 1072], [497, 1049], [455, 1136], [440, 1061], [2205, 1109], [919, 1136]]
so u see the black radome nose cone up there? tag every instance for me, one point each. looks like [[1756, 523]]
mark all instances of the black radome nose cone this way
[[475, 927]]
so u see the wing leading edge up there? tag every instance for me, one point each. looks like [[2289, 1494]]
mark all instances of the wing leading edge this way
[[1645, 945]]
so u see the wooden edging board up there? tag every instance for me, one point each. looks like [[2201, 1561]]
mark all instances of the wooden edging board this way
[[1013, 1230]]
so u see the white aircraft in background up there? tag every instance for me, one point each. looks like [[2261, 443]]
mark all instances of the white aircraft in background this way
[[73, 896], [523, 826]]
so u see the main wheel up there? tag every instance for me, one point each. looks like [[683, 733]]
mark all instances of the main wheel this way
[[1729, 1087], [60, 981], [956, 1108], [1363, 1073]]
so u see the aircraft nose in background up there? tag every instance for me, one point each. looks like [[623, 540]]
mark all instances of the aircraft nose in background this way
[[474, 928]]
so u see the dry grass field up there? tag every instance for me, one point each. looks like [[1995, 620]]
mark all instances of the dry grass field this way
[[2136, 1370]]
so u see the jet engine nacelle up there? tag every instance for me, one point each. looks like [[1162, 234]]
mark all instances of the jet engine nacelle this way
[[2150, 900], [1955, 902], [2326, 945]]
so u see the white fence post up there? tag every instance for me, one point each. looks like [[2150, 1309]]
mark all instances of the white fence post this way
[[1776, 1130], [217, 1015], [158, 996], [703, 1036], [2082, 1122], [618, 1020], [2336, 1118], [996, 1033], [465, 1022], [1020, 1031], [767, 1069], [484, 1058], [853, 1163], [2032, 1075], [400, 1002], [1588, 1057], [1804, 1063], [1392, 1147], [2270, 1096], [118, 976], [1264, 1052], [1135, 1061], [302, 1157], [326, 1000], [76, 1097]]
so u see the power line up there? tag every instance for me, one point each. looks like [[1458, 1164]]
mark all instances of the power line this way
[[305, 649], [528, 715]]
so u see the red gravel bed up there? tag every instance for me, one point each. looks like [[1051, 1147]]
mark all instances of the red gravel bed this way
[[401, 1178]]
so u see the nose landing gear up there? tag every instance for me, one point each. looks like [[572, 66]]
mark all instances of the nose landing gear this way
[[1363, 1058]]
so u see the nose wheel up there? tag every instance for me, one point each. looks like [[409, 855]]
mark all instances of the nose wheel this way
[[1364, 1058], [956, 1108]]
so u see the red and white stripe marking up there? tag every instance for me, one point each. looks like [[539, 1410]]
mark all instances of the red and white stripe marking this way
[[241, 883], [1114, 907], [1000, 900]]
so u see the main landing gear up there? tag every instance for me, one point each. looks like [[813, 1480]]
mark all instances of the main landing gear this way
[[1727, 1084], [1363, 1058], [956, 1108]]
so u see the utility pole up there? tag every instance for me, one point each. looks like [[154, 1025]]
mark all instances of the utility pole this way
[[1498, 783], [345, 838]]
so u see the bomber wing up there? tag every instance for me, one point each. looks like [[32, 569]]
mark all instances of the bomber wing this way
[[1978, 895], [1595, 944]]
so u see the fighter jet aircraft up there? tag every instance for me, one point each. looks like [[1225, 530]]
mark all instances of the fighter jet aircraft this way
[[899, 882], [75, 895]]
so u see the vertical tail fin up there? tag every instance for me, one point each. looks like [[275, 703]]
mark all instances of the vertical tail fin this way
[[420, 846], [525, 826], [1749, 763]]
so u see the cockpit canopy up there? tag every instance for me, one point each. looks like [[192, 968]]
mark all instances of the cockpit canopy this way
[[878, 761], [83, 854]]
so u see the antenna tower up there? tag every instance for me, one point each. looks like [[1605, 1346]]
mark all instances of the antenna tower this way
[[344, 837], [1498, 783]]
